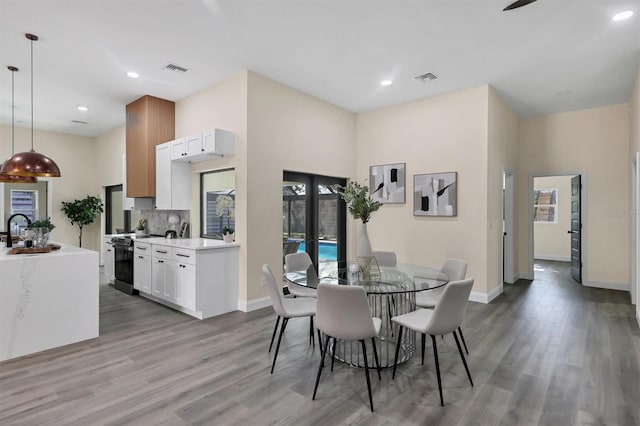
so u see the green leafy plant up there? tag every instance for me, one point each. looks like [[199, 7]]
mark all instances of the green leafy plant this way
[[82, 212], [224, 206], [43, 223], [142, 225], [359, 201]]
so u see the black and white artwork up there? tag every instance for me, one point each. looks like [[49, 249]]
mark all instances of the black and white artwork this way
[[387, 183], [435, 194]]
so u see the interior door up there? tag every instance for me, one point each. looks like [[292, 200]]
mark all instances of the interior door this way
[[314, 218], [576, 230]]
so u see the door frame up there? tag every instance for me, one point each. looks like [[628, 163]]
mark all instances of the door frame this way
[[508, 243], [583, 215], [635, 228], [312, 220]]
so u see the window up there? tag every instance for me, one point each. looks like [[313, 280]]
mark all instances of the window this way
[[25, 202], [117, 219], [545, 205], [212, 185]]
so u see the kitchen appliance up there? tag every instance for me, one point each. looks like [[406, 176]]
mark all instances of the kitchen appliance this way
[[123, 264], [171, 234]]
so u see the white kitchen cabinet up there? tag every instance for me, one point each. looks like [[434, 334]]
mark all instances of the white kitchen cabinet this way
[[178, 148], [173, 180], [218, 142], [142, 267], [185, 277], [196, 276], [108, 258], [163, 283]]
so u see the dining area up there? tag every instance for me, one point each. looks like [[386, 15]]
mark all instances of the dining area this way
[[373, 314]]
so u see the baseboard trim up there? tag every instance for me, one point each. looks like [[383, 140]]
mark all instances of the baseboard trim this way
[[638, 315], [524, 276], [254, 304], [609, 286], [552, 257], [477, 296]]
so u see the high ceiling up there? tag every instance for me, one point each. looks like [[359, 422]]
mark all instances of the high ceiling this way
[[548, 57]]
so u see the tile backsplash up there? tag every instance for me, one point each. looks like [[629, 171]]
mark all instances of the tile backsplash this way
[[158, 220]]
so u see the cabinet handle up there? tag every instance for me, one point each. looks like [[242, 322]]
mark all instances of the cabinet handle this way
[[160, 251], [182, 255], [202, 149], [142, 248], [160, 261], [140, 257]]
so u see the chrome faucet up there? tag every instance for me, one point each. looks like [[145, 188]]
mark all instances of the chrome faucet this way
[[8, 233]]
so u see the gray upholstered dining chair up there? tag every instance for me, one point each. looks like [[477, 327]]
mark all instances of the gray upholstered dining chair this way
[[444, 319], [299, 262], [285, 308], [343, 313], [386, 258], [455, 270]]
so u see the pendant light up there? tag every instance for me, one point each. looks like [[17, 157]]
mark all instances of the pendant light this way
[[31, 163], [5, 177]]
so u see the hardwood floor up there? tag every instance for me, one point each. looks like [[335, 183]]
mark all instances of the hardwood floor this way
[[547, 352]]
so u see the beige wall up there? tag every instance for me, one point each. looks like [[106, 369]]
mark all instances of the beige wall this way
[[75, 155], [502, 154], [287, 130], [440, 134], [634, 147], [551, 240], [595, 142], [223, 106]]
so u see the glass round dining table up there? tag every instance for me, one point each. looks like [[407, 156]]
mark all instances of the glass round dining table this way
[[391, 291]]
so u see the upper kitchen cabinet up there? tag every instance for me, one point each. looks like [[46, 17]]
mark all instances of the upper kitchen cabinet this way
[[150, 122], [204, 146]]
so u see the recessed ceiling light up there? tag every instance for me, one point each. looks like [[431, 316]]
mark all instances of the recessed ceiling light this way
[[133, 74], [83, 108], [623, 15], [386, 82]]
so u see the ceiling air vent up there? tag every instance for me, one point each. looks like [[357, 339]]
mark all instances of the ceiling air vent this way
[[176, 68], [79, 122], [424, 77]]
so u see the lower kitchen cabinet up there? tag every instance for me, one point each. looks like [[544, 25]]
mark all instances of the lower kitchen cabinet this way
[[201, 282], [108, 258], [142, 273]]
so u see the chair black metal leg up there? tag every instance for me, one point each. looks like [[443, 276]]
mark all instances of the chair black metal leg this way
[[324, 352], [320, 341], [395, 362], [435, 355], [375, 356], [333, 354], [366, 371], [275, 356], [273, 336], [312, 339], [463, 342], [464, 361], [422, 343]]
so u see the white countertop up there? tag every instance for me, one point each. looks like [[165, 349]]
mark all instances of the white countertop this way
[[190, 243], [65, 250]]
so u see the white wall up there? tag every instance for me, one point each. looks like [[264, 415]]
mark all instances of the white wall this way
[[441, 134], [634, 146], [596, 142], [75, 155], [551, 240]]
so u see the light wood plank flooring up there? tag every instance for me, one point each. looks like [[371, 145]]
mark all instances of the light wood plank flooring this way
[[547, 352]]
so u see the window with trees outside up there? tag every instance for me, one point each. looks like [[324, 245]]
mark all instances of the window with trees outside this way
[[545, 205]]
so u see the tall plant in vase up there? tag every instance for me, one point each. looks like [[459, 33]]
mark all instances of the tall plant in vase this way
[[224, 207], [361, 206]]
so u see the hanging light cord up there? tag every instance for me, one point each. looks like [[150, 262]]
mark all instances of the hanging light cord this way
[[31, 93], [13, 112]]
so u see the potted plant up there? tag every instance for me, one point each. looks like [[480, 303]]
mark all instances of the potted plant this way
[[224, 207], [141, 228], [82, 212], [43, 223], [361, 206], [41, 229]]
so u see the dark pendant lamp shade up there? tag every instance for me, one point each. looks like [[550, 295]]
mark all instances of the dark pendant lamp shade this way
[[5, 178], [31, 163]]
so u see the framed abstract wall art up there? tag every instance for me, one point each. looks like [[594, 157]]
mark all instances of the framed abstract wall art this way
[[387, 183], [435, 194]]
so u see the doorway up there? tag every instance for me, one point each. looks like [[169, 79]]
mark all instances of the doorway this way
[[555, 225], [635, 229], [508, 274], [314, 218]]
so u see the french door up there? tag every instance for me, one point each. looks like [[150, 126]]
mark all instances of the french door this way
[[314, 218]]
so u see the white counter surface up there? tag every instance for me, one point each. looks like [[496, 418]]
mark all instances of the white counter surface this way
[[47, 300], [190, 243]]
